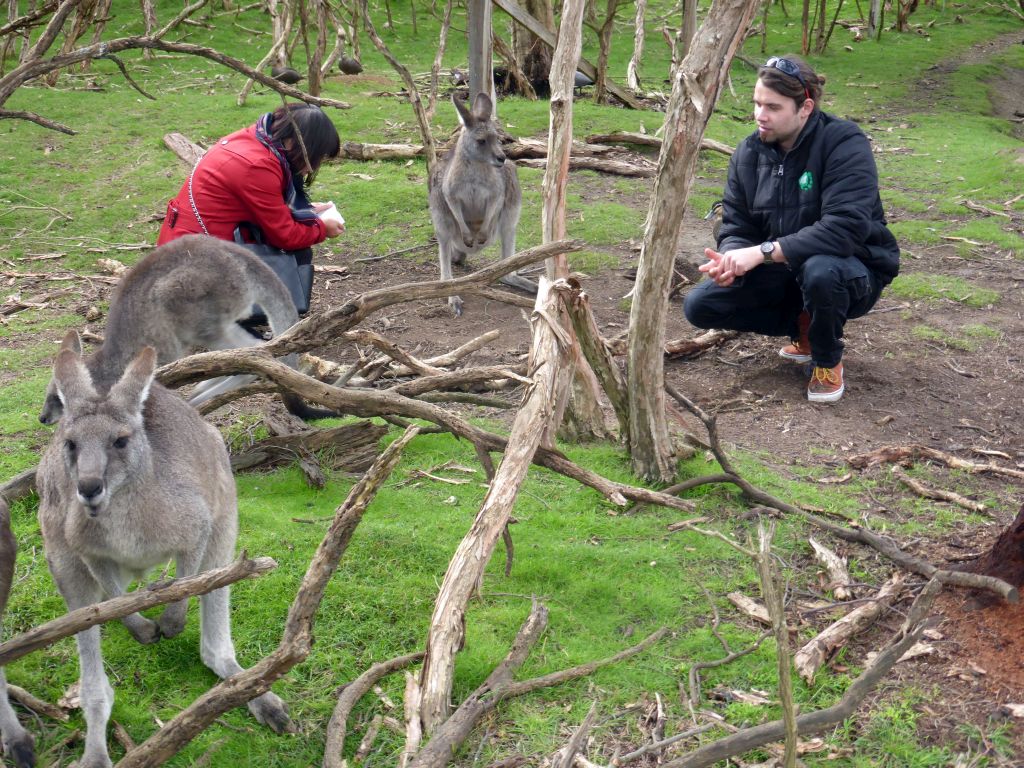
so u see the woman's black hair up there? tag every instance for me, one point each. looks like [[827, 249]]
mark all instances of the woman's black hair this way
[[318, 136], [809, 85]]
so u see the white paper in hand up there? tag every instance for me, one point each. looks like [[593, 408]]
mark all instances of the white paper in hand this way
[[332, 214]]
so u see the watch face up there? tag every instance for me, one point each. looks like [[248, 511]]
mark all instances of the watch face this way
[[767, 248]]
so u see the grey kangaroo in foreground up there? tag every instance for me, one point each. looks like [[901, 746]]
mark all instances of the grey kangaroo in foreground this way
[[132, 478], [18, 744], [187, 295], [475, 195]]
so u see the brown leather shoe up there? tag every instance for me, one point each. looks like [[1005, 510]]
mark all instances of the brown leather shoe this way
[[826, 385], [800, 350]]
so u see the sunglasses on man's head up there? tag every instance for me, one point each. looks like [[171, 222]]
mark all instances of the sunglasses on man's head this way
[[787, 67]]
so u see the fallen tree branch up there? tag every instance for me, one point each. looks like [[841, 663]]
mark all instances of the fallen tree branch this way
[[835, 566], [547, 370], [350, 696], [647, 140], [139, 600], [353, 447], [881, 544], [815, 722], [893, 454], [809, 659], [297, 639], [937, 493]]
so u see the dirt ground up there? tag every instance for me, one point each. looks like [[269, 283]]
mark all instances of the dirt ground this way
[[901, 390]]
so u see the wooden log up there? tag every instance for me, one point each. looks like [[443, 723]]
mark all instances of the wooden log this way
[[354, 447], [809, 659], [647, 140], [188, 151], [147, 597], [835, 566], [894, 454], [350, 696], [639, 168], [447, 625], [938, 493]]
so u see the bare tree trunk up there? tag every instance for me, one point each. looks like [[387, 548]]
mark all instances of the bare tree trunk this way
[[435, 68], [314, 74], [447, 626], [875, 19], [149, 18], [822, 15], [604, 39], [481, 74], [805, 26], [633, 70], [695, 89], [689, 28], [533, 56]]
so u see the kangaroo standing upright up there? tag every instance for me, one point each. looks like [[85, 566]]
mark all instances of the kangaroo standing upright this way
[[188, 295], [132, 478], [18, 743], [475, 195]]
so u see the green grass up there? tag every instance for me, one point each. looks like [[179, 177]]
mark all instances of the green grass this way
[[917, 287]]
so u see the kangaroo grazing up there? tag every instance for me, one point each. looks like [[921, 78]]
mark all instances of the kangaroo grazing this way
[[132, 478], [475, 195], [187, 295], [18, 744]]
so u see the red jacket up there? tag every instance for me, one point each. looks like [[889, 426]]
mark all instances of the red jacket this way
[[238, 179]]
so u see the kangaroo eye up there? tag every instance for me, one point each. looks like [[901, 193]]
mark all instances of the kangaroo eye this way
[[481, 142], [71, 446], [121, 442]]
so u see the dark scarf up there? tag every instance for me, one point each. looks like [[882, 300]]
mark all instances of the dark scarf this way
[[293, 190]]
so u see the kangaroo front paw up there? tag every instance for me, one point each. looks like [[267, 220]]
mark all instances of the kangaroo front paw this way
[[269, 710], [142, 629], [171, 622], [21, 750]]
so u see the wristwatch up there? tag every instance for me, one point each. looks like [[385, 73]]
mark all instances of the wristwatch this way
[[767, 249]]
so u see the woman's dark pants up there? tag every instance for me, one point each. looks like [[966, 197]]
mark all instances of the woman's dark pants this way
[[769, 299]]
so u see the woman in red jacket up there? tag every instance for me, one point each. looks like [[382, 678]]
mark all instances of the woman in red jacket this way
[[258, 177]]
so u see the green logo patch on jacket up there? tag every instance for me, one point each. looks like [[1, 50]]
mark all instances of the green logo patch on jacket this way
[[806, 180]]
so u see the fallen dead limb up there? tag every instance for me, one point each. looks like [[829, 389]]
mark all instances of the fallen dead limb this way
[[36, 704], [937, 493], [882, 544], [893, 454], [460, 378], [815, 722], [297, 639], [353, 447], [537, 417], [835, 566], [499, 686], [566, 756], [139, 600], [370, 403], [660, 746], [681, 348], [647, 140], [19, 486], [809, 659], [350, 696]]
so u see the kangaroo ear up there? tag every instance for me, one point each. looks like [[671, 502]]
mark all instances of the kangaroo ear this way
[[482, 107], [72, 341], [465, 117], [131, 391], [72, 379]]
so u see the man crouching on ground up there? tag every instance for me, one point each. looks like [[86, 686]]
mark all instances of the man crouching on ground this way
[[803, 245]]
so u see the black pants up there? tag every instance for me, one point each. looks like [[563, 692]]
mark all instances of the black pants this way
[[768, 300]]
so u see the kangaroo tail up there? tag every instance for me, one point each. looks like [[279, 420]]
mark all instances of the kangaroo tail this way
[[273, 298]]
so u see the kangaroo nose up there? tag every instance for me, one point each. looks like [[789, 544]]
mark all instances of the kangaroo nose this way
[[90, 488], [499, 160]]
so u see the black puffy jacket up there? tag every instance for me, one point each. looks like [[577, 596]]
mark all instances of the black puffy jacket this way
[[821, 197]]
